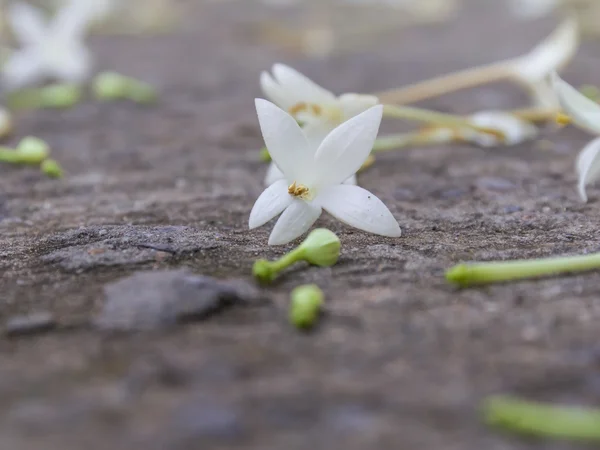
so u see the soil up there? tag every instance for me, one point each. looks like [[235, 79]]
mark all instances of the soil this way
[[400, 360]]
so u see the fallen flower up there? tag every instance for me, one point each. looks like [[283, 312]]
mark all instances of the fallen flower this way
[[50, 50], [60, 95], [306, 302], [320, 248], [52, 168], [313, 176], [585, 114], [511, 129]]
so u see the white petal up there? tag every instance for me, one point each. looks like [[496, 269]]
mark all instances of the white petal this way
[[514, 129], [351, 181], [22, 68], [588, 167], [543, 95], [584, 112], [28, 23], [73, 65], [354, 104], [347, 147], [275, 92], [273, 174], [271, 202], [72, 20], [360, 209], [550, 55], [303, 87], [285, 140], [294, 222]]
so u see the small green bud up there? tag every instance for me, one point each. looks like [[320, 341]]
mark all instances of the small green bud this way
[[110, 86], [263, 271], [59, 96], [305, 306], [141, 92], [459, 275], [51, 168], [265, 156], [32, 150], [321, 248]]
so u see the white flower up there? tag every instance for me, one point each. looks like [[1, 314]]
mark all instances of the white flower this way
[[585, 114], [549, 56], [317, 109], [532, 9], [50, 50], [511, 129], [313, 176]]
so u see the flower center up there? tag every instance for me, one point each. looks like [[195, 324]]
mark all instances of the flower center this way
[[299, 190], [301, 111]]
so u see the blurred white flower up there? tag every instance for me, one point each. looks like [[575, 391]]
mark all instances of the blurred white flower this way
[[54, 49], [585, 114], [313, 176], [511, 129], [532, 9]]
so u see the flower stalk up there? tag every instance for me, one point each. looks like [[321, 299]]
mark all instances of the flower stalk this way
[[320, 248], [465, 275], [542, 420]]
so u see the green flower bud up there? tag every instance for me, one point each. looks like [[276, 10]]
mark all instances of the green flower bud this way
[[321, 248], [305, 306], [263, 271], [32, 150], [110, 86], [51, 168], [141, 92], [265, 156], [59, 96]]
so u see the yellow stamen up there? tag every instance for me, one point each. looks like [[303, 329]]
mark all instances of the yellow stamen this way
[[298, 190], [562, 119]]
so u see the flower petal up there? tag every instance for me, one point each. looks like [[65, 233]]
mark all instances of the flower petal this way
[[270, 203], [75, 63], [294, 222], [584, 112], [588, 167], [360, 209], [303, 88], [354, 104], [22, 68], [514, 130], [351, 180], [275, 92], [550, 55], [273, 174], [72, 20], [346, 148], [287, 144], [27, 23]]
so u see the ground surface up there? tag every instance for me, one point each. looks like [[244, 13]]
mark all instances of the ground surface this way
[[402, 359]]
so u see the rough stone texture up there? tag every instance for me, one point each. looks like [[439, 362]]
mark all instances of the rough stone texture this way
[[403, 359], [157, 299]]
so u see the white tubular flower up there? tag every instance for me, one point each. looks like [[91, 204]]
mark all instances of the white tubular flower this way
[[314, 176], [585, 114], [50, 50], [511, 129], [317, 109], [549, 56]]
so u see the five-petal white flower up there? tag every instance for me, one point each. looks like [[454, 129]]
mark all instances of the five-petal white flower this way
[[314, 176], [317, 109], [53, 50], [585, 114]]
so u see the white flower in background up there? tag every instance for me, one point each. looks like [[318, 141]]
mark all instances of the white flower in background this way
[[317, 109], [313, 176], [551, 55], [533, 9], [52, 49], [511, 129], [585, 114]]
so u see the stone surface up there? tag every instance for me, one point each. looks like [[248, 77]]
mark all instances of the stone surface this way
[[150, 300], [29, 324]]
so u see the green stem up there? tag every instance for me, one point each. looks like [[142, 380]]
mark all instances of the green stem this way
[[542, 420], [287, 260], [492, 272], [9, 155]]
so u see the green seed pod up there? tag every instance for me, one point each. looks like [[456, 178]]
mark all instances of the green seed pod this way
[[321, 248], [305, 307], [59, 96], [51, 168], [110, 86], [32, 150], [263, 271]]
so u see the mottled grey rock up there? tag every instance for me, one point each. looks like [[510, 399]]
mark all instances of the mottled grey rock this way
[[155, 299], [29, 324]]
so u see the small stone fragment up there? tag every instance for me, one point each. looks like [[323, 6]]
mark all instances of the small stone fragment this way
[[29, 324], [157, 299]]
